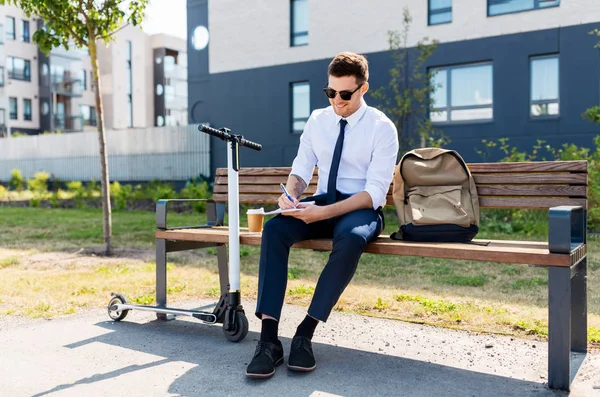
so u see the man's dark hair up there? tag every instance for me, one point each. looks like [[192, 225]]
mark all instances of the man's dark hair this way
[[350, 64]]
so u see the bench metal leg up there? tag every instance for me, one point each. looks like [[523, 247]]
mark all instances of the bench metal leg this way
[[579, 307], [161, 272], [559, 327]]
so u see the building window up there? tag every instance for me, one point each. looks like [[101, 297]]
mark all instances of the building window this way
[[83, 79], [440, 11], [18, 68], [299, 19], [499, 7], [27, 109], [25, 31], [10, 28], [2, 116], [462, 93], [88, 113], [300, 105], [12, 108], [544, 86], [1, 34]]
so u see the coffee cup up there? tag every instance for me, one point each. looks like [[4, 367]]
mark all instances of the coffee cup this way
[[255, 220]]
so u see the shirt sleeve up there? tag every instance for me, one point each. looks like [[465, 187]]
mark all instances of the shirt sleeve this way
[[383, 161], [306, 159]]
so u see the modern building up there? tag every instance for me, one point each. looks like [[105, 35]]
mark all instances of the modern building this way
[[143, 78], [519, 69]]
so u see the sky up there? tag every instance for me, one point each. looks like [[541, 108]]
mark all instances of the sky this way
[[166, 16]]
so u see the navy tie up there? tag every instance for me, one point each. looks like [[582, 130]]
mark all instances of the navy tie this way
[[335, 165]]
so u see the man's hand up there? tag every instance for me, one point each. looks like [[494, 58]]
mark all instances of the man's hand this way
[[285, 203], [312, 213]]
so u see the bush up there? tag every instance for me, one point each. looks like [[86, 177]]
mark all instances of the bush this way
[[92, 190], [196, 188], [123, 194], [17, 182], [76, 187], [523, 220], [39, 184]]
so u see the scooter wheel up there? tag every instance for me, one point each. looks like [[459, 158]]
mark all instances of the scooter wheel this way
[[114, 314], [240, 329]]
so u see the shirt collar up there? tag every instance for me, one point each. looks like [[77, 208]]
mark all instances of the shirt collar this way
[[354, 117]]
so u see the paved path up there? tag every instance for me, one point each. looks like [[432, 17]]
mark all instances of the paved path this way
[[89, 355]]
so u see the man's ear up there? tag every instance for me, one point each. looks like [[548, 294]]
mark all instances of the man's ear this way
[[364, 88]]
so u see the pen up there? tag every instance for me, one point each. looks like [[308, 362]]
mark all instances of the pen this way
[[286, 193]]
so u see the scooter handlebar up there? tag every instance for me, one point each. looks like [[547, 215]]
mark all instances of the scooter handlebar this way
[[226, 136]]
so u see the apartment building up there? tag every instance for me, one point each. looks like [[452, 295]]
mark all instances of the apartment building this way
[[51, 92], [519, 69]]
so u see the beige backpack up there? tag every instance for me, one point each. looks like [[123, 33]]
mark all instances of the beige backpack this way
[[435, 197]]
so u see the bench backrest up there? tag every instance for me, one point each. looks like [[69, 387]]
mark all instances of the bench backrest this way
[[533, 185]]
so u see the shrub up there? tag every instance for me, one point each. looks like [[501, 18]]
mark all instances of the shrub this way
[[17, 182], [76, 187], [39, 184], [527, 220], [196, 188], [91, 189]]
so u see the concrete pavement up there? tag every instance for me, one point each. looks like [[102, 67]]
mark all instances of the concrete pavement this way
[[89, 355]]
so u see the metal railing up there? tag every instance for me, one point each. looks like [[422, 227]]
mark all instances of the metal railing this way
[[68, 123], [140, 154], [67, 86]]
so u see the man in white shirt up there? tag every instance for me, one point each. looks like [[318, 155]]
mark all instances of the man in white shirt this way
[[355, 148]]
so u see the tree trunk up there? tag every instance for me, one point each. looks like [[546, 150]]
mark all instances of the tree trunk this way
[[105, 181]]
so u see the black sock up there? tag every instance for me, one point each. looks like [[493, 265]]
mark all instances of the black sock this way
[[307, 327], [268, 332]]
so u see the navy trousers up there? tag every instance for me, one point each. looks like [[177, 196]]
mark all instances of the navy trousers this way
[[350, 233]]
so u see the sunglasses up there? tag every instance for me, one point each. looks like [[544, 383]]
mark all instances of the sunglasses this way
[[345, 95]]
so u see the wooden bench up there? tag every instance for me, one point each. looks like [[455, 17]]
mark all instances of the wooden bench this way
[[557, 186]]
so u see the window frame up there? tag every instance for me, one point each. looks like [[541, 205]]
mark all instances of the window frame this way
[[292, 119], [14, 28], [83, 79], [536, 6], [431, 12], [27, 116], [25, 23], [14, 100], [449, 108], [10, 66], [543, 101], [293, 33]]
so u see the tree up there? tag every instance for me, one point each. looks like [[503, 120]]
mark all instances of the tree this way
[[84, 23], [408, 97], [593, 113]]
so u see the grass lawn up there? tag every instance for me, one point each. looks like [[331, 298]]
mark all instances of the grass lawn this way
[[40, 276]]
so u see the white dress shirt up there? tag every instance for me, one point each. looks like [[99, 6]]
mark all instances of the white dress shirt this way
[[368, 155]]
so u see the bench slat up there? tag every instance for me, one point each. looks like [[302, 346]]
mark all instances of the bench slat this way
[[531, 166], [511, 252], [483, 190], [500, 178], [484, 201], [534, 166]]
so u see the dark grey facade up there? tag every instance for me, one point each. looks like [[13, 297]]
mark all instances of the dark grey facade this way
[[256, 102]]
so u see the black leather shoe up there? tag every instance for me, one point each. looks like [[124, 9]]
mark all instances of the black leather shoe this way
[[301, 355], [266, 357]]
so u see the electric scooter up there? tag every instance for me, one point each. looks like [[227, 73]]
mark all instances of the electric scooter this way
[[228, 310]]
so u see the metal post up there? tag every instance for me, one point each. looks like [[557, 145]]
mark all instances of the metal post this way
[[161, 272], [579, 307], [559, 327]]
